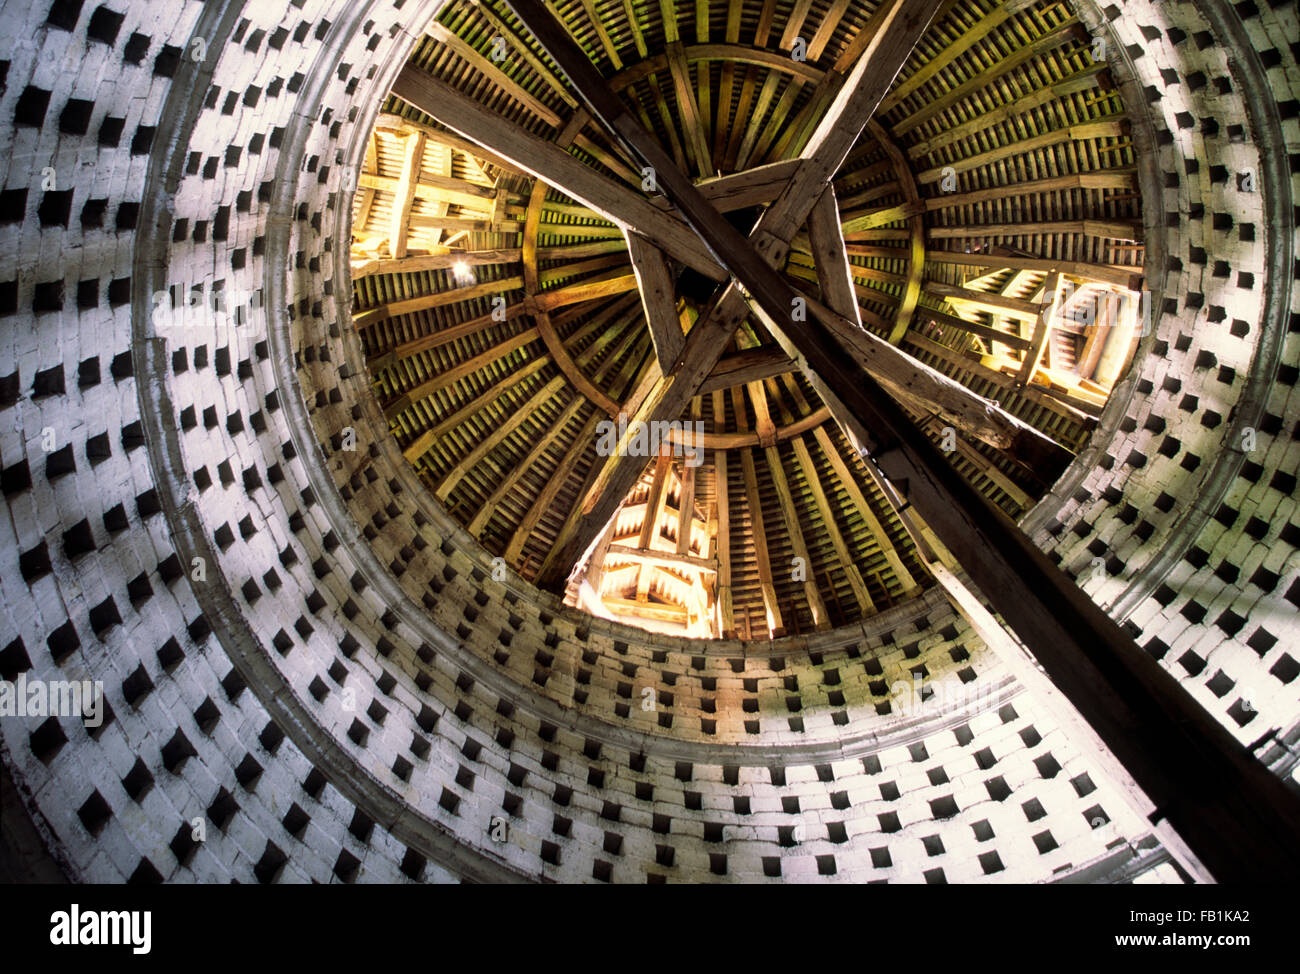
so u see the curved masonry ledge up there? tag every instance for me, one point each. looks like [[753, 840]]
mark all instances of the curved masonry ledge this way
[[331, 716]]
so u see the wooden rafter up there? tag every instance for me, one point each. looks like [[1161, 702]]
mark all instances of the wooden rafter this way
[[545, 161], [405, 192], [657, 300]]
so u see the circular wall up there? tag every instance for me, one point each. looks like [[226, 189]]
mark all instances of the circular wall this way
[[303, 653]]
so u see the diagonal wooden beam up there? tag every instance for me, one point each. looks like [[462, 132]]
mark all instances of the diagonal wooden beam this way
[[614, 201], [657, 299], [883, 55], [834, 272], [366, 198], [1050, 307], [804, 464], [790, 514], [688, 109], [437, 299], [749, 365], [973, 328], [758, 535], [412, 157], [752, 187], [516, 421], [658, 399], [995, 304], [1070, 32], [686, 509], [654, 510], [726, 618]]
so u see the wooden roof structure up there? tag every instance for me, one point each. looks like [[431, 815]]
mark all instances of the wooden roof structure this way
[[520, 279]]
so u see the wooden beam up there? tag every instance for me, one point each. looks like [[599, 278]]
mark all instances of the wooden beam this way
[[615, 202], [445, 189], [686, 497], [968, 38], [973, 328], [834, 274], [749, 365], [726, 618], [986, 467], [658, 300], [520, 47], [841, 548], [575, 376], [1071, 133], [437, 299], [540, 304], [995, 304], [960, 363], [752, 187], [1051, 305], [654, 510], [830, 143], [749, 438], [659, 611], [412, 159], [911, 294], [758, 536], [390, 357], [462, 224], [1101, 229], [1081, 81], [434, 262], [400, 125], [924, 388], [1095, 342], [697, 145], [666, 559], [857, 498], [1070, 31], [1106, 179], [658, 497], [763, 425], [577, 448], [1125, 277], [366, 198], [589, 290], [785, 500], [661, 399]]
